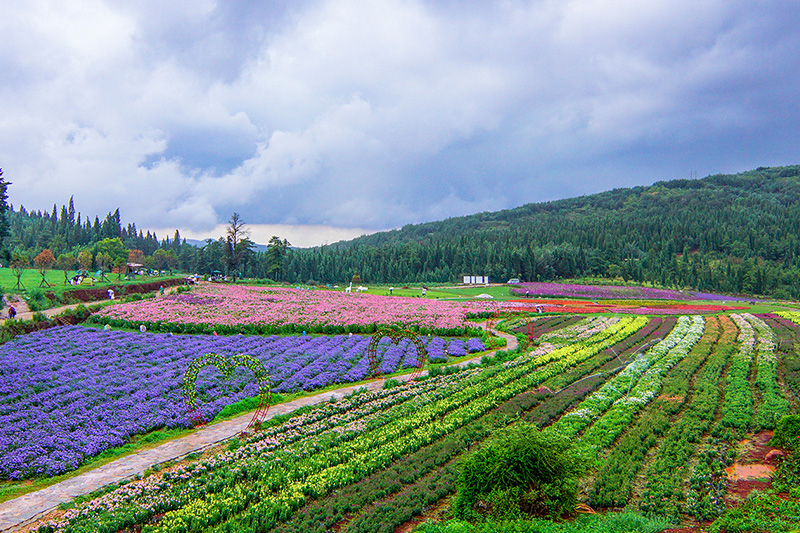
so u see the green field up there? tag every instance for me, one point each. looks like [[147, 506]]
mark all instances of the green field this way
[[32, 287]]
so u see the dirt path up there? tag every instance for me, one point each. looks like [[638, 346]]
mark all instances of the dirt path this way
[[23, 313], [16, 513]]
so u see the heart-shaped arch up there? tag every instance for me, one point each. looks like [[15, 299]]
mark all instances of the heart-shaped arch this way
[[396, 335], [227, 366]]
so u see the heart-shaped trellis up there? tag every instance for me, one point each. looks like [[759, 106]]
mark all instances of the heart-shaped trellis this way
[[227, 366], [396, 335]]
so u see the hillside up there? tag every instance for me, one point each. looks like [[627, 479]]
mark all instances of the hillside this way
[[731, 233]]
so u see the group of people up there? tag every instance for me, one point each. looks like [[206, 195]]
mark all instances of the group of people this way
[[78, 279]]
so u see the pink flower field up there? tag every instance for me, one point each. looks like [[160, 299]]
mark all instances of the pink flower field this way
[[235, 306]]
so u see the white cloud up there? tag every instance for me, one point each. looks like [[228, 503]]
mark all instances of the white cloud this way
[[371, 115]]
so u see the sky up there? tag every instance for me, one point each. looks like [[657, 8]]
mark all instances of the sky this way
[[325, 120]]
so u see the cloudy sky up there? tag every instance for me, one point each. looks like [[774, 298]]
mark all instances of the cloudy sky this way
[[324, 120]]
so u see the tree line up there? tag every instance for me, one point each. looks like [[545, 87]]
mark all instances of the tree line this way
[[729, 233], [726, 233]]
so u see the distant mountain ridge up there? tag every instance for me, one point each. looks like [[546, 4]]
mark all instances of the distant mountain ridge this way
[[200, 243], [731, 233]]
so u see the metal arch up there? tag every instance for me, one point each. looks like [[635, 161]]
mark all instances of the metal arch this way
[[227, 367], [396, 335]]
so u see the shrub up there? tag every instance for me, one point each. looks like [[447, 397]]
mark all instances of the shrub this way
[[521, 471], [761, 512], [787, 432]]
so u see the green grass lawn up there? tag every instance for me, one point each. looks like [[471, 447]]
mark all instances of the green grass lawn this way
[[31, 282]]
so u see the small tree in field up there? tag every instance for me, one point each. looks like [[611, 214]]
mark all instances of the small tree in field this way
[[66, 262], [85, 260], [44, 262], [119, 264], [104, 262], [135, 256], [18, 265]]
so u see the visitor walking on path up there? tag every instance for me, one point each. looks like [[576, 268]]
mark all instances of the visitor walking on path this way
[[12, 312]]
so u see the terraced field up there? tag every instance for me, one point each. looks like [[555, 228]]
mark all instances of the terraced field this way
[[658, 405]]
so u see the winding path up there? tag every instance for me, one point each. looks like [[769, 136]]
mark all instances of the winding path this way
[[19, 512]]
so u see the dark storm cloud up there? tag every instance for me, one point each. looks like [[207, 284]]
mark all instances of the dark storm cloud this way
[[373, 115]]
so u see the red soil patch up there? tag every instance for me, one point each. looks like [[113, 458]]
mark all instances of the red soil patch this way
[[751, 472], [738, 472]]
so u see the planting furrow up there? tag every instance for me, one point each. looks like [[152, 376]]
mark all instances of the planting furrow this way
[[614, 482], [666, 473], [773, 405], [590, 410]]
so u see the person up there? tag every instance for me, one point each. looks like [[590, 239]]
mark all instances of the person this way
[[12, 312], [161, 290], [110, 294], [424, 290]]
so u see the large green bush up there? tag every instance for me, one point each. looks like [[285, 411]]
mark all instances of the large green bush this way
[[519, 472], [787, 432]]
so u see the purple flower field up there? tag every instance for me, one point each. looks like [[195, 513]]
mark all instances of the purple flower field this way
[[614, 292], [71, 392]]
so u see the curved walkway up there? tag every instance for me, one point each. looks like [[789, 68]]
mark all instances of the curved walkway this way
[[18, 512]]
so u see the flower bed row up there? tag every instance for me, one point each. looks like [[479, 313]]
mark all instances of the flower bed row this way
[[737, 405], [574, 290], [664, 492], [70, 393], [615, 477], [260, 310], [773, 404]]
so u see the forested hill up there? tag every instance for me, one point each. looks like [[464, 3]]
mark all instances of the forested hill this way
[[732, 233]]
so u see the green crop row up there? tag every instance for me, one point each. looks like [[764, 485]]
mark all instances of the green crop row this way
[[663, 494], [615, 477]]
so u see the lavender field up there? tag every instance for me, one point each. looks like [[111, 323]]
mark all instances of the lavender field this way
[[72, 392]]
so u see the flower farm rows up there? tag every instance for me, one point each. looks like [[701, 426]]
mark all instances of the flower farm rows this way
[[622, 306], [274, 473], [69, 393], [234, 309], [613, 291], [637, 393]]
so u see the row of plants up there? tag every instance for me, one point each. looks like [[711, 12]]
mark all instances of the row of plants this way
[[737, 405], [669, 468], [773, 404], [616, 475], [340, 456], [588, 411]]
